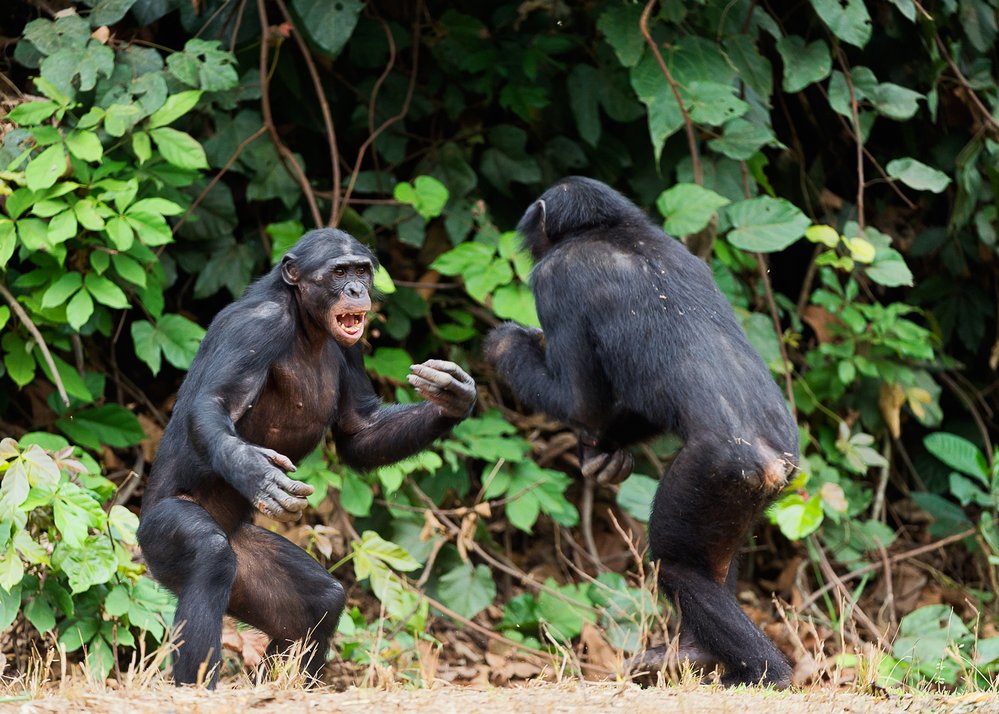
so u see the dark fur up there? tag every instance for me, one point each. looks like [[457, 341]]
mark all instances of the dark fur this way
[[640, 341], [268, 375]]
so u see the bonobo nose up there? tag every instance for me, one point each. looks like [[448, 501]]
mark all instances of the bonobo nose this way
[[354, 290]]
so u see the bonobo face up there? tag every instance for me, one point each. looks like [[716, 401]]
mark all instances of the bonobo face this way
[[335, 295]]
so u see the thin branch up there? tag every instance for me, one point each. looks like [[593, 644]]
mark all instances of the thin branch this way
[[695, 157], [854, 574], [855, 112], [327, 115], [391, 120], [215, 179], [772, 303], [964, 82], [23, 317], [265, 105]]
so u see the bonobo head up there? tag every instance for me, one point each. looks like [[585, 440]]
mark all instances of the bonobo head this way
[[571, 206], [331, 273]]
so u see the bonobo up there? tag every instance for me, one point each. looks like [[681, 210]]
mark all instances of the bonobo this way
[[276, 369], [638, 340]]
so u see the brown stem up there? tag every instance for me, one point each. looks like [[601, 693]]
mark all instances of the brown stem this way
[[215, 179], [695, 158], [327, 114], [23, 317], [855, 112], [287, 158], [768, 291], [393, 119]]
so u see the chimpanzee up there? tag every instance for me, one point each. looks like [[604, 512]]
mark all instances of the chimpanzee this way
[[276, 369], [637, 341]]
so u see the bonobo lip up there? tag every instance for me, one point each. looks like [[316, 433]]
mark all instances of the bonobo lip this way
[[347, 327]]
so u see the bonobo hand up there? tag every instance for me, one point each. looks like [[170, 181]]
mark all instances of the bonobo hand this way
[[446, 385], [507, 338], [605, 467], [278, 496]]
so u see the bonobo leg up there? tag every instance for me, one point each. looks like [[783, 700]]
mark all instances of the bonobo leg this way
[[703, 509], [283, 591], [189, 553]]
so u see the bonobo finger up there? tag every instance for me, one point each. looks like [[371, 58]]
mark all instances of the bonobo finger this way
[[593, 463], [617, 469], [451, 368], [279, 460], [285, 501], [423, 387], [272, 509], [295, 488], [438, 377]]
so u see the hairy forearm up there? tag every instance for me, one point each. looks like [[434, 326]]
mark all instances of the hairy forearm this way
[[392, 433]]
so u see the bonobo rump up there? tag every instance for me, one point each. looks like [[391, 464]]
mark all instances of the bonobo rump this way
[[276, 369], [638, 341]]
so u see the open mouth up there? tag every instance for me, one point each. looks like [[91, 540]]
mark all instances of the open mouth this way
[[350, 325]]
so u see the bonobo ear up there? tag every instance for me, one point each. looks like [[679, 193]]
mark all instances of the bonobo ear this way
[[289, 269]]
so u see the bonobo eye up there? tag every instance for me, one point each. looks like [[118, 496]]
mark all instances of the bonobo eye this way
[[361, 270], [339, 272]]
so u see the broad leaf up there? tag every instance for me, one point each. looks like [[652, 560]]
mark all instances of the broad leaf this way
[[918, 175], [765, 224], [688, 208]]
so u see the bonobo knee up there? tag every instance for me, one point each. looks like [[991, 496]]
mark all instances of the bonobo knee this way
[[215, 555], [328, 604]]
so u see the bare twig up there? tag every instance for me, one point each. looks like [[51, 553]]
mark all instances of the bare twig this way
[[695, 158], [215, 179], [586, 518], [26, 321], [837, 582], [417, 28], [287, 158], [855, 112], [765, 276], [327, 115], [973, 410], [915, 552]]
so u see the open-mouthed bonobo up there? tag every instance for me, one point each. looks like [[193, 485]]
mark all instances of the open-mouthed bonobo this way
[[276, 369], [638, 340]]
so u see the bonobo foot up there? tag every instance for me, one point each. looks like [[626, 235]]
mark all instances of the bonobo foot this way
[[644, 666]]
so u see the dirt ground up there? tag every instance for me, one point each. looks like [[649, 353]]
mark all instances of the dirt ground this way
[[513, 700]]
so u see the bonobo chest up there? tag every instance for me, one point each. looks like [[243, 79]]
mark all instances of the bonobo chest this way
[[296, 405]]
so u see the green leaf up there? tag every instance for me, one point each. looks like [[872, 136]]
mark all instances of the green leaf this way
[[467, 591], [141, 146], [75, 512], [584, 100], [375, 548], [86, 213], [32, 113], [565, 619], [712, 102], [10, 605], [356, 496], [11, 569], [894, 101], [741, 139], [8, 241], [803, 64], [18, 360], [664, 115], [889, 269], [176, 106], [960, 454], [178, 148], [108, 12], [619, 23], [62, 227], [110, 425], [46, 168], [155, 205], [765, 224], [918, 175], [117, 602], [84, 145], [328, 24], [129, 269], [636, 495], [426, 194], [688, 208], [119, 118], [516, 302], [106, 292], [120, 233], [93, 563], [151, 228], [826, 235], [79, 309], [40, 614], [797, 517], [847, 19], [174, 335], [60, 291], [14, 488]]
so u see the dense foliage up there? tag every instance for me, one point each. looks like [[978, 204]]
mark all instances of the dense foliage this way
[[836, 162]]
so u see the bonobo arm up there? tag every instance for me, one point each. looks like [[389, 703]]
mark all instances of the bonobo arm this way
[[370, 434], [223, 382]]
